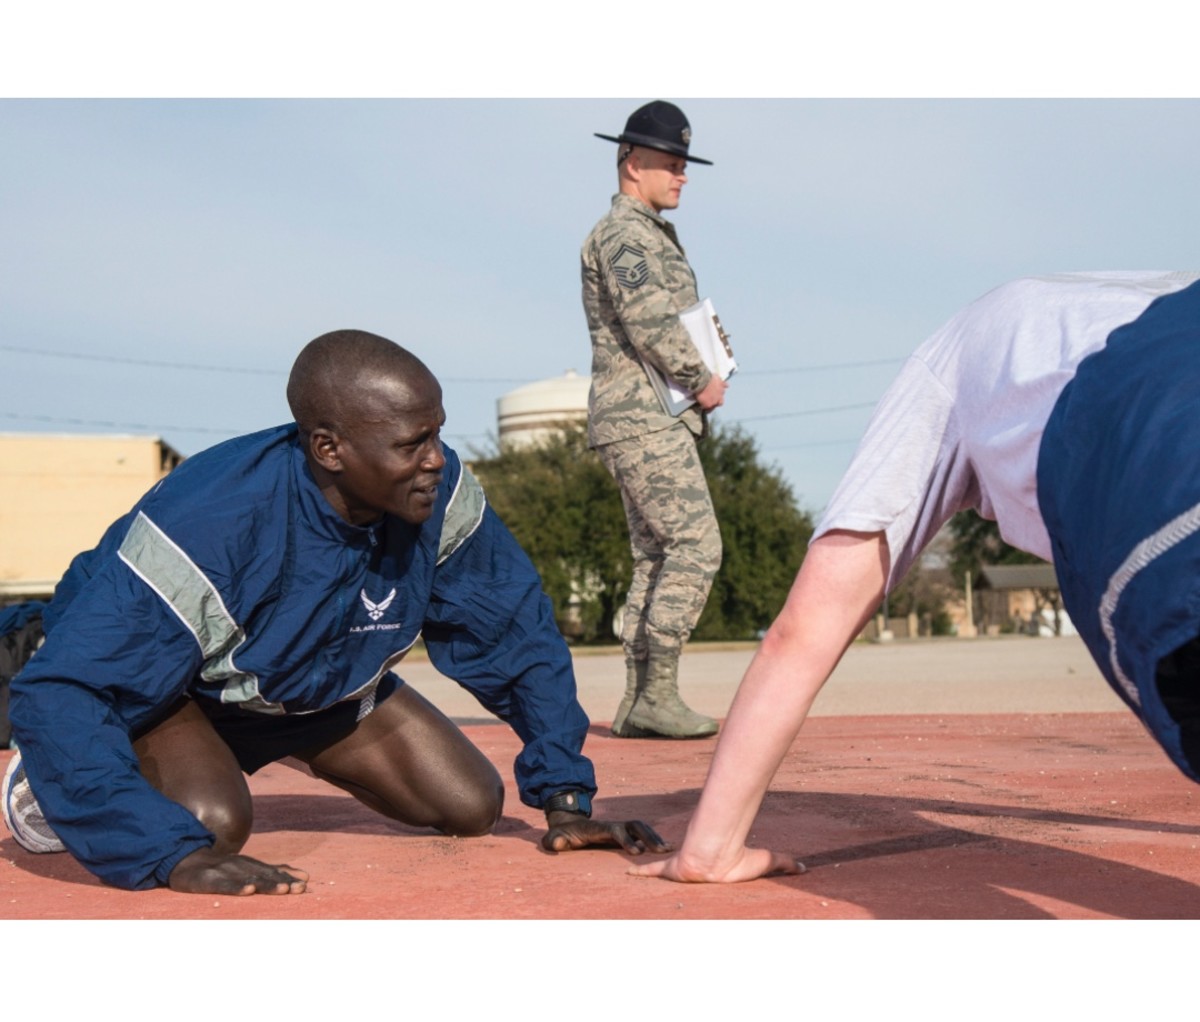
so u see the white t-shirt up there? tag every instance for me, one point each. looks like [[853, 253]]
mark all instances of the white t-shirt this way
[[961, 425]]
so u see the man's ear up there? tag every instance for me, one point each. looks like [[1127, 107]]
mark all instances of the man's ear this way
[[632, 164], [325, 447]]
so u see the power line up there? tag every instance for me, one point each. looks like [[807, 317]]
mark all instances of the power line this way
[[82, 356], [821, 368], [769, 448], [149, 362], [161, 430], [158, 430], [806, 411]]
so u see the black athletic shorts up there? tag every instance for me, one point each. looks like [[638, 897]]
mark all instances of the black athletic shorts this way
[[260, 738]]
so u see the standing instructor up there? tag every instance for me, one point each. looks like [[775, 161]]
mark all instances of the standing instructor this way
[[636, 281]]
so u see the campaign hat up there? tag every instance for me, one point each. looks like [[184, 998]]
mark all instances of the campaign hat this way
[[658, 125]]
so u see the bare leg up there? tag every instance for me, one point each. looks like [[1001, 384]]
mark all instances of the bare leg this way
[[408, 761], [840, 584], [185, 759]]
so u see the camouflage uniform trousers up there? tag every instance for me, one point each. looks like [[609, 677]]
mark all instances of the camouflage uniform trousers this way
[[673, 535]]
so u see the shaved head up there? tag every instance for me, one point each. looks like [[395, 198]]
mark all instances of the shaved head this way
[[337, 378], [370, 417]]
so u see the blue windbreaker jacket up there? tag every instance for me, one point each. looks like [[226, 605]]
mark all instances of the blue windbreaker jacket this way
[[233, 579], [1119, 490]]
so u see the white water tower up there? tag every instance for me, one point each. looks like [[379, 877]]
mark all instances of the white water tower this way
[[537, 410]]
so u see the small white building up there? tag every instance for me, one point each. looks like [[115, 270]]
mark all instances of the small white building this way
[[537, 410]]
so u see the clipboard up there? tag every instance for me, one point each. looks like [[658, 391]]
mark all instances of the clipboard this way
[[711, 341]]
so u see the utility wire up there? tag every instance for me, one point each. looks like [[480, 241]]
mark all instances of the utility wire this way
[[241, 370], [141, 426], [767, 448], [199, 367], [821, 368], [153, 363], [80, 356], [806, 411], [160, 430]]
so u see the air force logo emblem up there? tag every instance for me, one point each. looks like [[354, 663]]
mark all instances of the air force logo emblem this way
[[629, 265], [376, 610]]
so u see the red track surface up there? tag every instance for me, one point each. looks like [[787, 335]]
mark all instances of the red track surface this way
[[1014, 816]]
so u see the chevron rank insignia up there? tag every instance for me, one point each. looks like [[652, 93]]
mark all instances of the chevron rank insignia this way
[[629, 265]]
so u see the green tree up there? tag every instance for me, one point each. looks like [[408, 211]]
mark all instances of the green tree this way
[[763, 532], [924, 592], [565, 510], [975, 541]]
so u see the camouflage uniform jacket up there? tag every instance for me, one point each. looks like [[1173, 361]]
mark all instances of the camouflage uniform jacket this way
[[636, 281]]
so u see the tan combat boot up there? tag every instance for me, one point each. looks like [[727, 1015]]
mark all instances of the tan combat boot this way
[[635, 681], [658, 708]]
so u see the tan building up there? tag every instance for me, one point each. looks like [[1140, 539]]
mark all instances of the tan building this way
[[1021, 598], [58, 493]]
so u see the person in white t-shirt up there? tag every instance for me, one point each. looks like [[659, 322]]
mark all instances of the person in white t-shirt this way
[[995, 412]]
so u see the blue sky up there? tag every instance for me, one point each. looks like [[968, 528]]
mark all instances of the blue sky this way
[[163, 260]]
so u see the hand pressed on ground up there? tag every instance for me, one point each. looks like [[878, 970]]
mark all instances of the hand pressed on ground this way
[[209, 872], [568, 831], [749, 864]]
